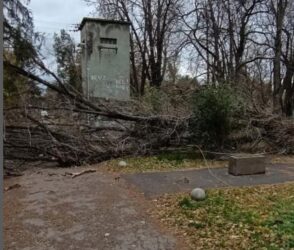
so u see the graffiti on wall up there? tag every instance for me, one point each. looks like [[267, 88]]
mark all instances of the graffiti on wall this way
[[111, 84]]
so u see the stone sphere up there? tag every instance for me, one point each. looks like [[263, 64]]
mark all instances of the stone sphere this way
[[198, 194], [122, 164]]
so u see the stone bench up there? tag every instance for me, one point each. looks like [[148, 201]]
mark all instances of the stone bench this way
[[247, 164]]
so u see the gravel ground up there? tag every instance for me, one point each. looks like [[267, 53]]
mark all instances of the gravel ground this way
[[92, 211]]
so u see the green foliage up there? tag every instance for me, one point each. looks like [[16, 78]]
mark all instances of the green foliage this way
[[18, 21], [179, 157], [156, 100], [169, 99], [213, 110], [187, 203], [162, 162], [12, 85], [19, 37], [16, 86], [235, 218], [281, 221], [215, 205], [176, 156], [21, 48], [68, 60]]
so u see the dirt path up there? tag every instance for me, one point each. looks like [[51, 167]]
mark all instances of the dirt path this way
[[93, 211]]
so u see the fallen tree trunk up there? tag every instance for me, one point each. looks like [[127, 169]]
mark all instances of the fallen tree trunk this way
[[79, 131], [74, 141]]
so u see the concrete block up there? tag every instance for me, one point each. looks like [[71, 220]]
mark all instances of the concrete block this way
[[247, 164]]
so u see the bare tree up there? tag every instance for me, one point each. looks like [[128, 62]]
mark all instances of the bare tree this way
[[152, 26], [220, 32], [278, 9]]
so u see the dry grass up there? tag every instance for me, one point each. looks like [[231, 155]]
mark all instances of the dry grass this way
[[165, 162], [282, 159], [174, 161], [233, 218]]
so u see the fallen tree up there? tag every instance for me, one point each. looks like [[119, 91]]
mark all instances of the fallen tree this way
[[69, 137], [275, 130], [77, 131]]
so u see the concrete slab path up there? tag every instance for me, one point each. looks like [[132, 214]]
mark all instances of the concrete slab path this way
[[158, 183]]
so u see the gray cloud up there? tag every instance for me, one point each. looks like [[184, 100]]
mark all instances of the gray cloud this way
[[50, 16]]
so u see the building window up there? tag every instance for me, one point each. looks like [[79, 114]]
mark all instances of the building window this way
[[108, 40]]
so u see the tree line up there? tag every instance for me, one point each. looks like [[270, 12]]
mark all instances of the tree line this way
[[239, 42], [243, 43]]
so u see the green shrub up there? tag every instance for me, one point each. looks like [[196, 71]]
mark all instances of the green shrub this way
[[155, 100], [213, 110]]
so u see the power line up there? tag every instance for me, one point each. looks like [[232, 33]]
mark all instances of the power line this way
[[68, 27], [46, 21], [46, 28]]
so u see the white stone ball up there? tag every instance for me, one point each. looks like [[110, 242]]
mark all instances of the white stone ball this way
[[122, 164], [198, 194]]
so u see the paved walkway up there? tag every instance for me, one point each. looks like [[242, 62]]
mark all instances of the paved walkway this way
[[98, 211], [93, 211], [155, 184]]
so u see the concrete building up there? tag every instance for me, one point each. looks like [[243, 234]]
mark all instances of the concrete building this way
[[105, 58]]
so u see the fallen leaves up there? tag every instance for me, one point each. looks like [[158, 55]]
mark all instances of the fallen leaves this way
[[282, 159], [154, 163], [225, 222]]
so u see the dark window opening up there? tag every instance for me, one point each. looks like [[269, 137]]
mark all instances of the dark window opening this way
[[108, 40]]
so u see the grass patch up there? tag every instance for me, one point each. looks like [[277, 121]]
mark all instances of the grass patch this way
[[289, 159], [173, 161], [233, 218], [162, 162]]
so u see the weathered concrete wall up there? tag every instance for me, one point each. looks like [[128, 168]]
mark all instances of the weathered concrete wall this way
[[106, 59]]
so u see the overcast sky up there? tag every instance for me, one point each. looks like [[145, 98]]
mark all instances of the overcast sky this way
[[50, 16]]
